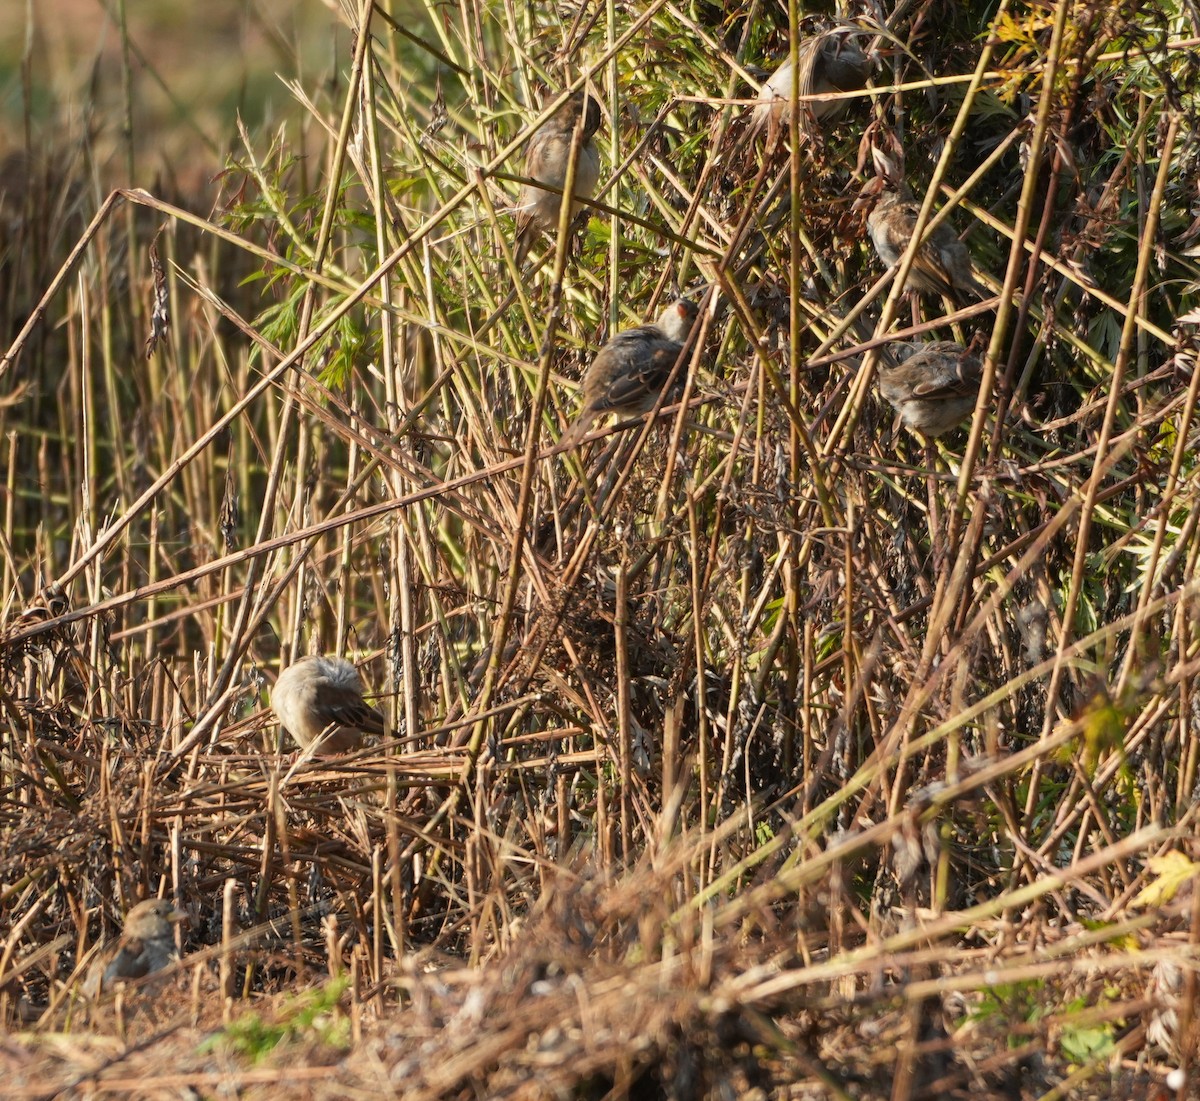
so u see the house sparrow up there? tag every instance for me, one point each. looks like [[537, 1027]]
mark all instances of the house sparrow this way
[[629, 372], [321, 697], [546, 160], [942, 264], [830, 62], [932, 386], [146, 945]]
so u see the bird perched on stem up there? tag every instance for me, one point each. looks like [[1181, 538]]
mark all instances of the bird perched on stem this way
[[932, 385], [146, 945], [829, 62], [547, 156], [942, 264], [628, 374], [319, 699]]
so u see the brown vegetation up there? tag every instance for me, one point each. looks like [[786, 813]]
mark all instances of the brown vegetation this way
[[756, 750]]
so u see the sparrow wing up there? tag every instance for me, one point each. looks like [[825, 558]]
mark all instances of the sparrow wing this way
[[345, 707], [954, 259], [943, 389], [928, 271], [132, 961], [657, 369], [641, 361], [951, 372], [929, 274], [942, 264]]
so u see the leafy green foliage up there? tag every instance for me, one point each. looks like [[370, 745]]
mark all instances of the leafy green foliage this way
[[313, 1015]]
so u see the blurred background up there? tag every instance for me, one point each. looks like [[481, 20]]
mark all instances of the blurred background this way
[[194, 69]]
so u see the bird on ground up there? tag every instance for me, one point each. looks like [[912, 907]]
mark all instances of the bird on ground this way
[[942, 264], [829, 62], [146, 945], [547, 156], [319, 699], [932, 385], [629, 372]]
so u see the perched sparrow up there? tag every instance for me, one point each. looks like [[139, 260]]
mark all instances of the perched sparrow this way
[[146, 945], [830, 62], [629, 372], [546, 160], [320, 697], [942, 264], [932, 386]]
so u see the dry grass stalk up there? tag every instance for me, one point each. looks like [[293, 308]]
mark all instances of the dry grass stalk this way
[[725, 755]]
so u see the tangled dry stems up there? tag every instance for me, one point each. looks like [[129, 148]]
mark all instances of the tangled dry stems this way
[[770, 753]]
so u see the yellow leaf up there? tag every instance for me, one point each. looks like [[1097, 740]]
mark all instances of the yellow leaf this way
[[1172, 870]]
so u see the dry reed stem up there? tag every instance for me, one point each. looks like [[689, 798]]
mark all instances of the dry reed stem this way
[[709, 758]]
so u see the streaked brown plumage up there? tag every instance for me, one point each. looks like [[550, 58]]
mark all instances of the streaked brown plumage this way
[[321, 697], [546, 159], [628, 373], [942, 264], [829, 62], [932, 385], [146, 945]]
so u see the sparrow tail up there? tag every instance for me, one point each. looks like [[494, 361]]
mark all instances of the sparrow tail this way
[[572, 436]]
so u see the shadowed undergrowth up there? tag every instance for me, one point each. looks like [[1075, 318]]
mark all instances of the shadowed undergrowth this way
[[762, 748]]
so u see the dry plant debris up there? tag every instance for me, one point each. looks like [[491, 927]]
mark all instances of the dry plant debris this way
[[758, 752]]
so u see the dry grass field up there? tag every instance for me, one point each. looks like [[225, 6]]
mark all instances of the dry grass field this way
[[760, 748]]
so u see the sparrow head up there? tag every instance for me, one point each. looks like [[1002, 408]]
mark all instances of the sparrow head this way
[[152, 919], [887, 184], [839, 62], [579, 103], [591, 119], [677, 318]]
